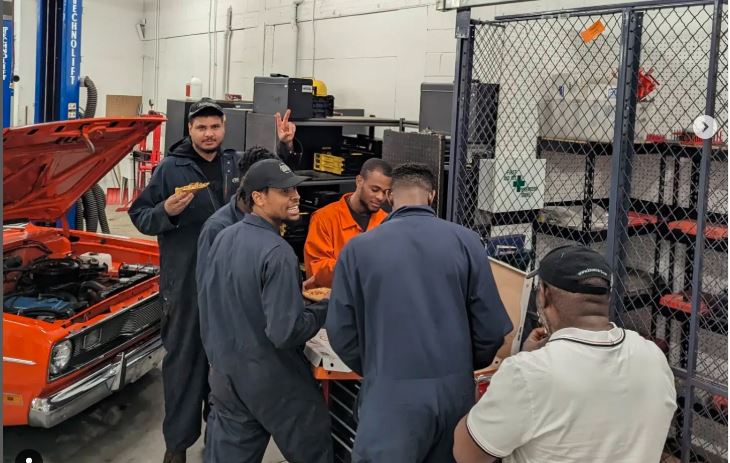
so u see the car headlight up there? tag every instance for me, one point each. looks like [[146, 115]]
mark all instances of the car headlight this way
[[60, 356]]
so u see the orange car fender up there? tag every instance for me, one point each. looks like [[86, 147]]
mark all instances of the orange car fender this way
[[27, 347]]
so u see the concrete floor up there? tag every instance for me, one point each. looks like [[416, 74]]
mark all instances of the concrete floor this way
[[124, 428]]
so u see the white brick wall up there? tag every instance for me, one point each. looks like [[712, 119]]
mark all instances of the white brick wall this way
[[410, 38], [350, 45]]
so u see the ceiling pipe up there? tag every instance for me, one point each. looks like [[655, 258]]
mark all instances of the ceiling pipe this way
[[295, 29], [227, 51], [156, 91]]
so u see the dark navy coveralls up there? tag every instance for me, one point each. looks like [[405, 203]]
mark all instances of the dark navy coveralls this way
[[255, 325], [223, 218], [185, 362], [415, 310]]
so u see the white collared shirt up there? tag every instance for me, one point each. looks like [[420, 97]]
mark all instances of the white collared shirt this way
[[586, 396]]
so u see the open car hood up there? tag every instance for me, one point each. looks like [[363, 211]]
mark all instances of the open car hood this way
[[47, 167]]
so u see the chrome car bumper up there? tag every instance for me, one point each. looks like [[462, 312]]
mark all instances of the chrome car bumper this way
[[126, 368]]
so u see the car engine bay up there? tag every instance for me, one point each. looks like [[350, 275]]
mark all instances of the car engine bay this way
[[51, 289]]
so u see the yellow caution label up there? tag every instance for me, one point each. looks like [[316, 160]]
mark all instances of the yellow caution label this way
[[12, 399], [596, 29]]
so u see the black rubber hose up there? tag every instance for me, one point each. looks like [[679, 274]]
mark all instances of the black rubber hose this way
[[91, 214], [79, 222], [101, 208], [91, 97]]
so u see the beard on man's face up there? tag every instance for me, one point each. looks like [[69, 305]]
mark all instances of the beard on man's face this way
[[208, 149], [364, 205]]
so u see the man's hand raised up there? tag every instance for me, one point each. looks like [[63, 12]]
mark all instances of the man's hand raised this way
[[175, 204], [285, 130]]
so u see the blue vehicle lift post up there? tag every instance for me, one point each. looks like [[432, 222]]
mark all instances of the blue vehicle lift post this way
[[8, 77], [58, 60]]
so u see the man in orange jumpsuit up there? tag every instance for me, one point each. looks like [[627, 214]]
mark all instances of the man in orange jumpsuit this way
[[335, 224]]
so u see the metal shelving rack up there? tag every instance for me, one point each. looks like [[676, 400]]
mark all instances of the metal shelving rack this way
[[311, 136]]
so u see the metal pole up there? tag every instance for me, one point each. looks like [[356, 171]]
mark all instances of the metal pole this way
[[700, 238], [712, 388], [227, 52], [589, 180], [623, 151], [460, 106]]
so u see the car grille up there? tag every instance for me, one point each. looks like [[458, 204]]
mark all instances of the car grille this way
[[113, 332]]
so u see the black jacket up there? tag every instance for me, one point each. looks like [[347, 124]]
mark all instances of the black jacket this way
[[178, 236], [415, 299], [293, 159]]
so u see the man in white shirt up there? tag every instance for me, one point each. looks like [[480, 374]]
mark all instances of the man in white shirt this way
[[582, 390]]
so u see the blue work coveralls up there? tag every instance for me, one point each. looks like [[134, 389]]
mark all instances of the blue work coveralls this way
[[257, 324], [415, 310], [223, 218]]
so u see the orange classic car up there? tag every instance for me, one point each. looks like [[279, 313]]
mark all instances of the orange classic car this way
[[81, 311]]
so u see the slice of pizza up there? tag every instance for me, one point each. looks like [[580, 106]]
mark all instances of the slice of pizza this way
[[317, 294], [192, 187]]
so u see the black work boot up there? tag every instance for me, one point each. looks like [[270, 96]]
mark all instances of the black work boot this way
[[174, 457]]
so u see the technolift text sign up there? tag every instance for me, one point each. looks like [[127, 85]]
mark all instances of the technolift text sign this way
[[71, 58], [6, 55], [7, 68]]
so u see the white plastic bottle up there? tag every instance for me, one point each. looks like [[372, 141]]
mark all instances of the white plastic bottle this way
[[196, 88]]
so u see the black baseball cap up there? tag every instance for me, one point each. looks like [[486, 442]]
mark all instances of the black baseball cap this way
[[567, 267], [270, 173], [204, 104]]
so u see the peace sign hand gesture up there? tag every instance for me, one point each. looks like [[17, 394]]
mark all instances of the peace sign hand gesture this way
[[285, 130]]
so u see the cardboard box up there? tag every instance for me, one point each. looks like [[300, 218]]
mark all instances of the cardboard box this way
[[320, 353], [123, 105]]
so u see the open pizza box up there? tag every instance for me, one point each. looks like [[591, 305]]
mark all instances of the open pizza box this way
[[319, 352], [514, 290]]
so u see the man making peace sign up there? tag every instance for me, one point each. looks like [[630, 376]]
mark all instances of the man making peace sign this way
[[285, 131]]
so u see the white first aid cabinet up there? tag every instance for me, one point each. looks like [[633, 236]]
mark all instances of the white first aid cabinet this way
[[511, 184]]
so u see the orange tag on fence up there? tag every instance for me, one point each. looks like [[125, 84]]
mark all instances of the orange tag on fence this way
[[592, 32]]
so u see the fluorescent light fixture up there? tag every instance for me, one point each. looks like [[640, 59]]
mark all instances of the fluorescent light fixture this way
[[457, 4]]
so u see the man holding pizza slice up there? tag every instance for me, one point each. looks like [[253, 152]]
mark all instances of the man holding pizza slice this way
[[176, 219], [261, 384]]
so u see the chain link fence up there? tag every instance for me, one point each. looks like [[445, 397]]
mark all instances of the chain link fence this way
[[578, 127]]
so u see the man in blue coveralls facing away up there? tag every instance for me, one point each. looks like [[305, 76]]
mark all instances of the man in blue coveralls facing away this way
[[414, 309]]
